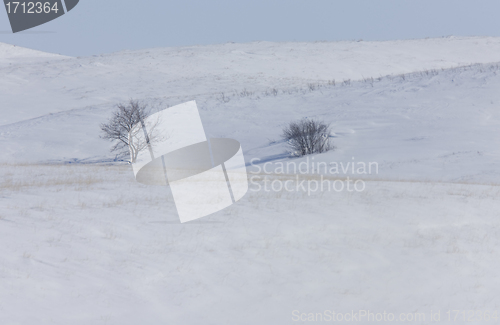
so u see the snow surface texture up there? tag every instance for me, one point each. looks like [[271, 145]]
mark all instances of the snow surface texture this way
[[85, 244], [89, 245]]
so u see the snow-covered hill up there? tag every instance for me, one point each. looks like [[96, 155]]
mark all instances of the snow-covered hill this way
[[180, 74], [86, 244], [435, 124], [15, 55]]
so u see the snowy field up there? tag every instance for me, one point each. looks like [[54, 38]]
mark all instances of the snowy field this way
[[82, 242], [88, 245]]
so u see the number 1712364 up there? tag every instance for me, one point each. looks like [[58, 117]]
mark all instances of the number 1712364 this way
[[31, 7]]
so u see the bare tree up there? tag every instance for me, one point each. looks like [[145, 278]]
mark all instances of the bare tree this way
[[307, 136], [130, 129]]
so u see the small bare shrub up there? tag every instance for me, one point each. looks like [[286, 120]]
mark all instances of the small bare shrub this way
[[306, 137]]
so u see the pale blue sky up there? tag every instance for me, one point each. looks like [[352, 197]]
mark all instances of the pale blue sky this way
[[102, 26]]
